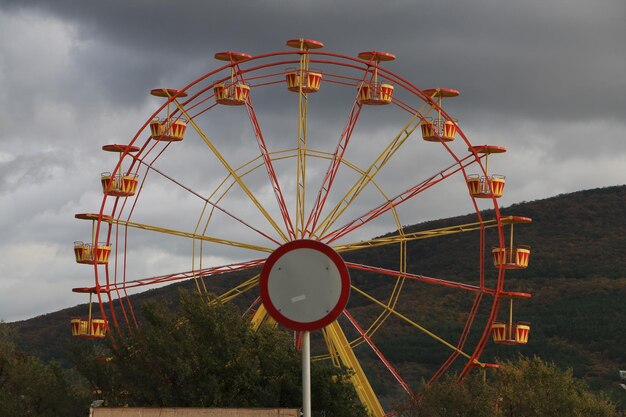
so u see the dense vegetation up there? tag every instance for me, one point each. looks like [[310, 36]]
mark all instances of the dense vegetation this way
[[577, 276], [205, 355], [29, 387], [523, 387]]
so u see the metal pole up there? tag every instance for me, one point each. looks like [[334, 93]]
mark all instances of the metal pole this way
[[306, 375]]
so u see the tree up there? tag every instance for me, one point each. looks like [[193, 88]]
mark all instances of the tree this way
[[206, 355], [523, 387], [531, 387], [29, 387]]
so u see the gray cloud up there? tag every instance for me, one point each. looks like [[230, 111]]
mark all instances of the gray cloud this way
[[539, 59]]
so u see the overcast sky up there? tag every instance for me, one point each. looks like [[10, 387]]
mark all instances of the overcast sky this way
[[544, 78]]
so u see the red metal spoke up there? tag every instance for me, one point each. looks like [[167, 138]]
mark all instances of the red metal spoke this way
[[179, 276], [462, 339], [335, 163], [130, 307], [209, 202], [421, 278], [483, 338], [252, 306], [399, 199], [383, 359], [270, 169]]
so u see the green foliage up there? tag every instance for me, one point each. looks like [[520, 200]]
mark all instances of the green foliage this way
[[448, 398], [332, 395], [206, 355], [531, 387], [524, 387], [29, 387]]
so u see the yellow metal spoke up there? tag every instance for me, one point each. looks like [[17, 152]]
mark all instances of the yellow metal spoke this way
[[339, 344], [422, 234], [414, 324], [332, 351], [303, 100], [232, 171], [260, 317], [369, 174], [393, 298], [180, 276], [237, 291], [174, 232]]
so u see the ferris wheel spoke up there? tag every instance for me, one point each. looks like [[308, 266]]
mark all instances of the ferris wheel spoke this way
[[333, 168], [414, 324], [399, 199], [270, 169], [462, 340], [301, 162], [378, 353], [338, 343], [181, 276], [261, 317], [235, 292], [392, 300], [232, 172], [301, 169], [419, 235], [208, 201], [189, 235], [367, 177], [420, 278]]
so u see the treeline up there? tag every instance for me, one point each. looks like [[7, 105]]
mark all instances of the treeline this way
[[30, 387], [204, 355], [522, 387]]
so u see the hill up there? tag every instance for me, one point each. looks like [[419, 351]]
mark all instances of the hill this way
[[577, 276]]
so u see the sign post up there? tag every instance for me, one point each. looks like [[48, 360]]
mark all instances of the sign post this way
[[305, 285]]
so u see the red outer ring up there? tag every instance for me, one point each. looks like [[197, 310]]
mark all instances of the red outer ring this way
[[343, 296]]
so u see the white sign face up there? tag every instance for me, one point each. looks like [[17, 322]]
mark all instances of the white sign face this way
[[305, 285]]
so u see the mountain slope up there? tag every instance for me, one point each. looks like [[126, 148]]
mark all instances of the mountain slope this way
[[577, 276]]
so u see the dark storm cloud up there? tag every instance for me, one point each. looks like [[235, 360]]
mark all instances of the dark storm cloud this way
[[536, 59]]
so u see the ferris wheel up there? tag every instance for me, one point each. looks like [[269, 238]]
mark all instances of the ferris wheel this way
[[268, 179]]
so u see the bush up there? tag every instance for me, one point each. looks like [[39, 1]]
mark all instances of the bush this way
[[521, 388]]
